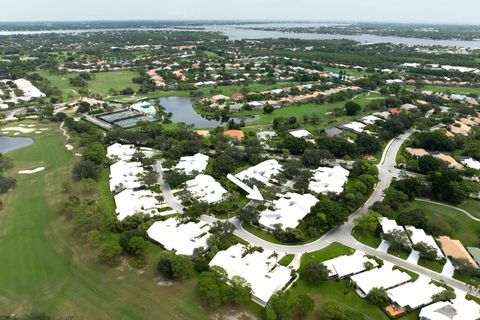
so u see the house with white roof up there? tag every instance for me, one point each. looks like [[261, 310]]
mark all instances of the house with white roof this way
[[457, 309], [414, 295], [470, 163], [389, 225], [205, 188], [346, 266], [29, 90], [129, 202], [288, 211], [385, 277], [326, 180], [125, 175], [368, 120], [419, 235], [259, 269], [191, 164], [264, 172], [119, 151], [354, 126], [301, 134], [183, 238]]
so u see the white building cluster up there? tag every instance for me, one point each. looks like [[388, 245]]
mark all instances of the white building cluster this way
[[183, 238], [326, 180], [414, 295], [264, 172], [385, 277], [259, 269], [193, 164], [288, 211], [125, 175], [119, 151], [129, 202], [345, 266], [457, 309], [205, 188], [29, 91]]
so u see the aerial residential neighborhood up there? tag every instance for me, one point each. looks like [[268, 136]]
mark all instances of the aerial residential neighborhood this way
[[250, 160]]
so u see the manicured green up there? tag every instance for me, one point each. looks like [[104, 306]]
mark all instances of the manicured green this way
[[453, 222], [61, 82], [366, 238], [458, 90], [472, 207], [333, 250], [117, 80], [436, 266], [286, 260], [45, 268]]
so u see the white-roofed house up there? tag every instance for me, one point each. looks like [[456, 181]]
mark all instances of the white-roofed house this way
[[264, 172], [206, 189], [354, 126], [385, 277], [129, 202], [470, 163], [414, 295], [370, 119], [125, 175], [327, 180], [345, 266], [457, 309], [191, 164], [301, 134], [119, 151], [419, 235], [389, 225], [288, 211], [259, 269], [183, 238]]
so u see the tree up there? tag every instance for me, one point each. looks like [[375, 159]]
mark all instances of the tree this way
[[445, 295], [315, 272], [332, 311], [7, 183], [136, 245], [150, 178], [398, 240], [427, 164], [352, 108], [268, 109], [304, 306], [378, 297], [248, 215], [95, 152], [86, 169], [368, 144], [368, 221], [174, 266], [395, 199], [5, 163], [110, 254], [328, 213], [295, 146], [426, 251], [277, 307]]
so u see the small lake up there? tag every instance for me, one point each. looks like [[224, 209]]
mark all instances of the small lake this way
[[12, 143], [182, 111]]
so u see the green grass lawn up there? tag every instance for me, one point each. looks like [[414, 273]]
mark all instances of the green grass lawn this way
[[459, 90], [368, 239], [398, 253], [472, 207], [117, 80], [43, 266], [436, 266], [286, 260], [69, 93], [334, 250], [453, 223]]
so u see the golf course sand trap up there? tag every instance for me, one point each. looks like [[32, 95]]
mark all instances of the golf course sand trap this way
[[31, 171], [19, 129], [69, 147]]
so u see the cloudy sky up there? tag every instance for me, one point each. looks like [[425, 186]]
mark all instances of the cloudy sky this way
[[428, 11]]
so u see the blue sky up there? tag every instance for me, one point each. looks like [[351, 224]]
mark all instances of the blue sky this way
[[427, 11]]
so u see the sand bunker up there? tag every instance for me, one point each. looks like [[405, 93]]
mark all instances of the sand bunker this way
[[19, 129], [69, 147], [31, 171]]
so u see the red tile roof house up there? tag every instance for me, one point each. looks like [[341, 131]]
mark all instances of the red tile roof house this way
[[395, 111], [237, 96], [235, 134]]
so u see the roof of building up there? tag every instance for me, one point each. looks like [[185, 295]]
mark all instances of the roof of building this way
[[183, 238], [408, 107], [455, 249], [263, 172], [327, 180], [370, 119], [237, 134], [417, 152], [419, 235], [121, 151], [300, 133], [129, 202], [448, 159], [288, 211], [237, 96], [471, 163], [333, 132], [125, 174], [259, 269], [385, 277], [414, 294], [206, 189], [197, 163], [355, 126], [458, 309], [475, 253], [389, 225], [266, 135], [344, 266]]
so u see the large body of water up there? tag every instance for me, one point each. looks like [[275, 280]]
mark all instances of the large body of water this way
[[12, 143], [246, 31], [182, 111]]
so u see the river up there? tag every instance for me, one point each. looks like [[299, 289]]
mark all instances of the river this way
[[12, 143], [245, 31]]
